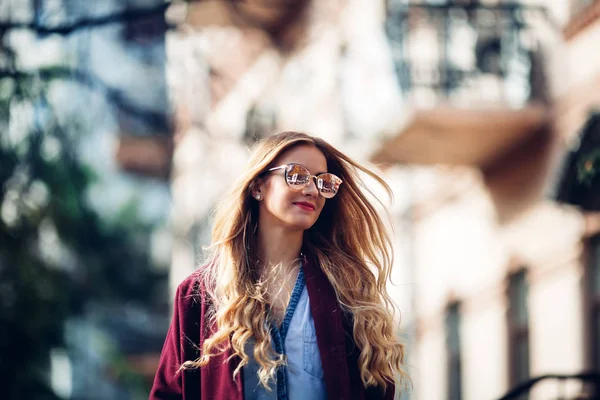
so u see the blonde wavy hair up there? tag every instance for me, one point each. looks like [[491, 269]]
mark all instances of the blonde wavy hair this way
[[349, 242]]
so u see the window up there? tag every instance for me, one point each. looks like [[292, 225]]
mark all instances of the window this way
[[592, 292], [518, 328], [453, 352]]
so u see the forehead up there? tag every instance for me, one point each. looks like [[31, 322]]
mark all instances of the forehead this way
[[307, 155]]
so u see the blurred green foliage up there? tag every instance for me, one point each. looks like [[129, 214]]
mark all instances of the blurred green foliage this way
[[56, 255]]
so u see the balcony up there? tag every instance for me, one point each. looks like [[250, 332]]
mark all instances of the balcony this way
[[464, 53], [475, 90]]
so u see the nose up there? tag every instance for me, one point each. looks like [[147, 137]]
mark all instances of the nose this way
[[311, 188]]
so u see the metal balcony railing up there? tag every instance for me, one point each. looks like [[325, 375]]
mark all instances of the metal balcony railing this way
[[465, 52], [589, 382]]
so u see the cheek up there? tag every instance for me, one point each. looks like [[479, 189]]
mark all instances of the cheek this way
[[277, 196]]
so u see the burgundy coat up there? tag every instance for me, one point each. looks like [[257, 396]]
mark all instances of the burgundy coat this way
[[215, 381]]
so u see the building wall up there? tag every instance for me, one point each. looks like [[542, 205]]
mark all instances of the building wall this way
[[459, 257], [465, 252]]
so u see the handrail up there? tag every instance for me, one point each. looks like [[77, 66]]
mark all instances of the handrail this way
[[526, 386]]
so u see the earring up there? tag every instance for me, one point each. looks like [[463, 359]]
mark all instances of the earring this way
[[258, 197]]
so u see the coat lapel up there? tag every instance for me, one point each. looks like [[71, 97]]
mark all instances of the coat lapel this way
[[327, 315]]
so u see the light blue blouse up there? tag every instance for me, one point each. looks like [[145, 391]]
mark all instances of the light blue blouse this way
[[302, 378]]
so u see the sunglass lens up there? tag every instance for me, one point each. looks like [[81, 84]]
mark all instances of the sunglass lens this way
[[297, 176], [328, 185]]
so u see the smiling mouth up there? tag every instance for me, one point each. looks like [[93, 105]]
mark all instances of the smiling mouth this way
[[305, 206]]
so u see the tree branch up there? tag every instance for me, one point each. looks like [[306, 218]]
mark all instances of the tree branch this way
[[88, 22], [115, 96]]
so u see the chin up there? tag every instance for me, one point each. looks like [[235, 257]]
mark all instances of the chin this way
[[302, 225]]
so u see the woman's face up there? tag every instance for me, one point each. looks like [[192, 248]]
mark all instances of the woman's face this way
[[279, 205]]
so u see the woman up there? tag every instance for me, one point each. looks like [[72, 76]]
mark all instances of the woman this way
[[292, 304]]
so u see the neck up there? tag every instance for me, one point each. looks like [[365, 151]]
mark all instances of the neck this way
[[278, 247]]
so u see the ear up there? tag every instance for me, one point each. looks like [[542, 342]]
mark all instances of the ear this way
[[256, 189]]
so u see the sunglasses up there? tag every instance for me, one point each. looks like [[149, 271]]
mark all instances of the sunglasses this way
[[298, 177]]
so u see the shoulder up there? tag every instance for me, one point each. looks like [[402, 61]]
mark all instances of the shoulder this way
[[190, 284], [191, 290]]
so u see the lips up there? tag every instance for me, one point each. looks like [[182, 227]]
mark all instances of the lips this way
[[305, 206]]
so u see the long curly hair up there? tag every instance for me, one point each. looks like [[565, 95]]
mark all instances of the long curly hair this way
[[349, 242]]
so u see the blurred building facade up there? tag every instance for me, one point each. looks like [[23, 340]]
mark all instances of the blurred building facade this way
[[501, 263], [470, 106]]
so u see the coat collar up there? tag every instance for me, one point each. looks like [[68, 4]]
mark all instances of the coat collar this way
[[331, 338]]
